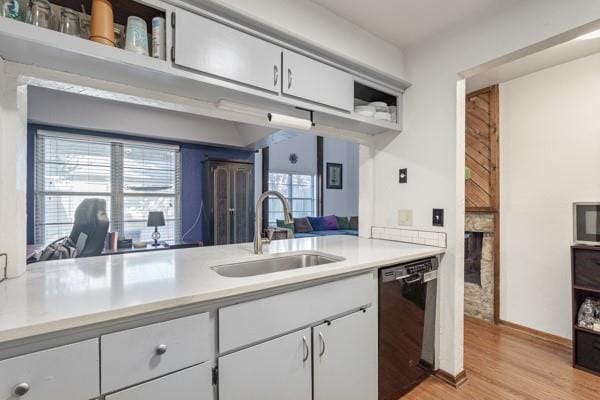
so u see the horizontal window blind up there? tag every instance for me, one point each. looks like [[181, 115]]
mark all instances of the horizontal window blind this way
[[134, 178]]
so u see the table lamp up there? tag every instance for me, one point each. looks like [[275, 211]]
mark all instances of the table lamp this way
[[156, 219]]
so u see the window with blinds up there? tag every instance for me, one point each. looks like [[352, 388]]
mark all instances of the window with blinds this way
[[298, 189], [133, 177]]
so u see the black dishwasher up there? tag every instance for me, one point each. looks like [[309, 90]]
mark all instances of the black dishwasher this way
[[407, 303]]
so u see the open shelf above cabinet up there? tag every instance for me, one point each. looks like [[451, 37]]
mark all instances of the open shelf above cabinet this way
[[122, 9], [384, 101]]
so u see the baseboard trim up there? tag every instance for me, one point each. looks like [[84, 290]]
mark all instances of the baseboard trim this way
[[538, 334], [455, 381]]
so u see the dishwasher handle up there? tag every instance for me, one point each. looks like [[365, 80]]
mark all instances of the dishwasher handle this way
[[418, 277]]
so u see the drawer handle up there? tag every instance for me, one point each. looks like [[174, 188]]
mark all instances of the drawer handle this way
[[160, 349], [289, 78], [306, 349], [21, 389], [275, 75]]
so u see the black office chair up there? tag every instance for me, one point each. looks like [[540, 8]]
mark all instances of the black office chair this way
[[92, 221]]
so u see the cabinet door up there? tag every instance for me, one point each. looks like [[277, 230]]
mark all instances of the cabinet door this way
[[221, 212], [191, 383], [243, 196], [274, 370], [345, 358], [311, 80], [215, 49]]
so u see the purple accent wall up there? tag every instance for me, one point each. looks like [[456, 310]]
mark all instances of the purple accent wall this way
[[192, 156]]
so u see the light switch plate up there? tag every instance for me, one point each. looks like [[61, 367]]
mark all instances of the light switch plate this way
[[403, 175], [405, 217], [438, 217]]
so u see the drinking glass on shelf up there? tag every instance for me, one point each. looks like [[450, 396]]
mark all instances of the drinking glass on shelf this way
[[137, 36], [11, 9], [119, 36], [84, 26], [39, 13], [69, 22]]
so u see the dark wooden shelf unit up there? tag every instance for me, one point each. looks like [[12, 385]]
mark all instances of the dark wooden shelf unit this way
[[585, 281]]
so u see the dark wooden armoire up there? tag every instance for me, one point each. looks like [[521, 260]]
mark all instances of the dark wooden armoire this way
[[229, 201]]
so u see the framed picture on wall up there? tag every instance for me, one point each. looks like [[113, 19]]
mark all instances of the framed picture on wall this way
[[334, 176]]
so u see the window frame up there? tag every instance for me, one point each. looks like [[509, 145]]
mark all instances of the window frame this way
[[117, 192], [291, 198]]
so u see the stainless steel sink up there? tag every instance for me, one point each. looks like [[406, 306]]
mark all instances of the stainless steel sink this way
[[274, 264]]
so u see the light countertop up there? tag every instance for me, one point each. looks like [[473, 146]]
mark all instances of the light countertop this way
[[58, 295]]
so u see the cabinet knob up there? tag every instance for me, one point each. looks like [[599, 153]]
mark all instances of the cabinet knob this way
[[21, 389], [161, 349]]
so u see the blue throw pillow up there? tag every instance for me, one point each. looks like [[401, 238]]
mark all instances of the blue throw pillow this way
[[318, 223]]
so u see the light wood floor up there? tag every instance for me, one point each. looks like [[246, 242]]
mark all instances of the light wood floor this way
[[502, 363]]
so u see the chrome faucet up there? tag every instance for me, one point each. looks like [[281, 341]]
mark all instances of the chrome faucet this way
[[258, 217]]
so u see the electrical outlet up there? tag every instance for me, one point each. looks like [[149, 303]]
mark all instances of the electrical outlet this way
[[403, 175], [438, 217], [405, 217]]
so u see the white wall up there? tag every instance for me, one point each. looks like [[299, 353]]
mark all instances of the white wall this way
[[13, 172], [549, 158], [430, 147], [342, 202], [304, 146]]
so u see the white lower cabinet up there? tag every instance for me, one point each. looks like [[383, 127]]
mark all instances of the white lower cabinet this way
[[68, 372], [191, 383], [275, 370], [345, 358], [341, 356]]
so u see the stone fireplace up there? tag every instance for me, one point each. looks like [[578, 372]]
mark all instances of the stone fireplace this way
[[479, 265]]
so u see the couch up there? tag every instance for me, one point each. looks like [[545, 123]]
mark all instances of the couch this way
[[321, 226]]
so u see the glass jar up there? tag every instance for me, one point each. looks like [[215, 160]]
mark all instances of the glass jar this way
[[69, 22], [585, 317], [39, 13], [11, 9]]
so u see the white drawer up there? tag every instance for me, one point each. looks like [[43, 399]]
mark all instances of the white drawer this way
[[191, 383], [68, 372], [246, 323], [134, 355]]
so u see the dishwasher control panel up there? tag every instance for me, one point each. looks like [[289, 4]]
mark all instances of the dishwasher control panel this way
[[423, 267]]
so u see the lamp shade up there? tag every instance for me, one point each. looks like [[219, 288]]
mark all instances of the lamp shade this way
[[156, 218]]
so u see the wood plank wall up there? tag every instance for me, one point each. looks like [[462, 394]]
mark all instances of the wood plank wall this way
[[481, 190]]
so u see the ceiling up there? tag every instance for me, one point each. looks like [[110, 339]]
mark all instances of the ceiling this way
[[405, 22], [550, 57]]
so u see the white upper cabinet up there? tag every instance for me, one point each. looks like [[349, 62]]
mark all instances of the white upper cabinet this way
[[314, 81], [215, 49], [345, 357]]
